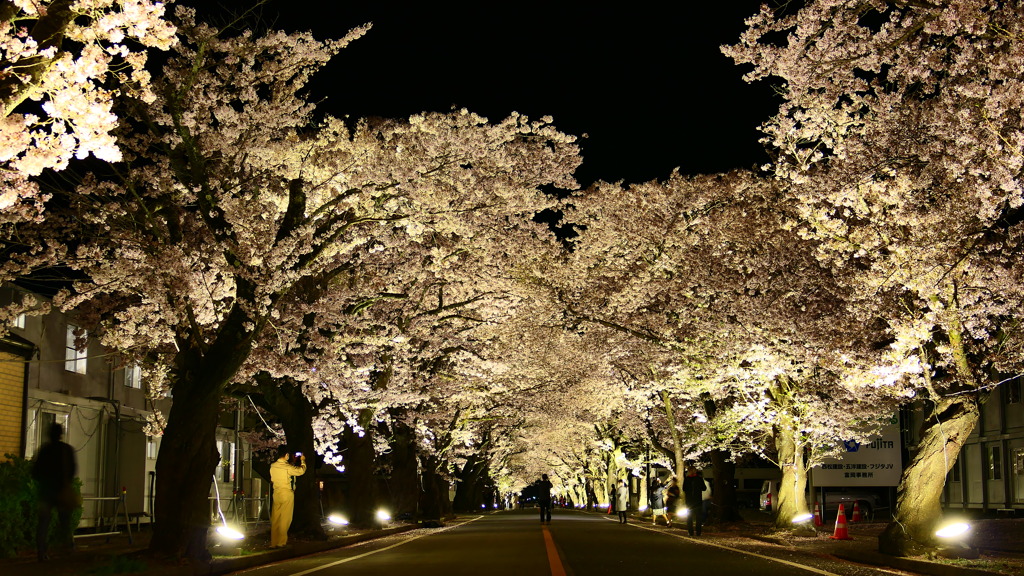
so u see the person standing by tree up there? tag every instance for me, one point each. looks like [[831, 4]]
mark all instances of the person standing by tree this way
[[658, 503], [282, 475], [54, 471], [544, 498], [693, 490], [621, 500]]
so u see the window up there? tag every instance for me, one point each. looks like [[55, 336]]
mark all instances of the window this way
[[74, 359], [19, 321], [133, 376], [38, 432], [152, 448], [1012, 391], [995, 463], [955, 472]]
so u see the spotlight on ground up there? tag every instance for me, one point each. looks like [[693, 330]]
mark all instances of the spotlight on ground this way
[[337, 520], [802, 518], [953, 530], [383, 517], [229, 533]]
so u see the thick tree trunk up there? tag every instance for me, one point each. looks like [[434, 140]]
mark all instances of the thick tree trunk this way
[[184, 472], [404, 483], [792, 496], [433, 502], [359, 466], [918, 507], [469, 493], [723, 492]]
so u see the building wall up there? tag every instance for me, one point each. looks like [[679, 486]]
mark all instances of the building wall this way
[[102, 416], [989, 473], [12, 397]]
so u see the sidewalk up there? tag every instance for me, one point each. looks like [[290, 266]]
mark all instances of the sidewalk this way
[[100, 557], [1000, 541]]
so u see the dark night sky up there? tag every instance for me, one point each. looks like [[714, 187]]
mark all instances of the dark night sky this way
[[647, 84]]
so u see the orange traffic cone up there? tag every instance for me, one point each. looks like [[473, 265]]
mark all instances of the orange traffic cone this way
[[817, 515], [841, 533], [856, 512]]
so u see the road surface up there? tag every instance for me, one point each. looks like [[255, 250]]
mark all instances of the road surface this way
[[515, 543]]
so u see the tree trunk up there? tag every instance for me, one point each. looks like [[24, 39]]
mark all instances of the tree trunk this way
[[918, 507], [677, 443], [724, 489], [469, 493], [404, 484], [188, 449], [792, 496], [184, 472], [433, 501], [359, 466]]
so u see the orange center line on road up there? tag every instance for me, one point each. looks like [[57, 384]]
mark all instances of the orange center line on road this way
[[553, 560]]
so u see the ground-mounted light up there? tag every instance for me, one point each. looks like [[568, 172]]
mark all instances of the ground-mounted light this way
[[802, 518], [682, 513], [643, 508], [337, 520], [229, 533], [953, 530], [383, 516]]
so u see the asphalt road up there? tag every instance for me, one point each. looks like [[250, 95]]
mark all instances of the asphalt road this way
[[517, 544]]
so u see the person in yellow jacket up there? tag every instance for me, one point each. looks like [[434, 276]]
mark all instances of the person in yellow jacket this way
[[282, 475]]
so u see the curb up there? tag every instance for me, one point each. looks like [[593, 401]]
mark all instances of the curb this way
[[224, 565], [911, 565]]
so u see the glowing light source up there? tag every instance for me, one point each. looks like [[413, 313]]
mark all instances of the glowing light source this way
[[953, 530], [337, 520], [383, 516], [683, 512], [224, 530], [802, 518], [229, 533]]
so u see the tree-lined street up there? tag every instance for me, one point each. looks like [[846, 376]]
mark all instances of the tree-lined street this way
[[441, 311]]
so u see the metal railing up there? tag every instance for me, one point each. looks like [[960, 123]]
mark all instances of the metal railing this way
[[108, 530]]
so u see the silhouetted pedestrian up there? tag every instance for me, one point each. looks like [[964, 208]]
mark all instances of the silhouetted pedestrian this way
[[544, 498], [54, 472], [693, 490]]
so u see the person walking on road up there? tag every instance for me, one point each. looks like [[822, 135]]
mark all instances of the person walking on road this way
[[658, 503], [54, 472], [693, 490], [672, 495], [622, 500], [544, 498], [282, 477]]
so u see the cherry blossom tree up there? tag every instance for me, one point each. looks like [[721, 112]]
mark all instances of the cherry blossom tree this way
[[750, 324], [58, 62], [900, 132], [231, 199]]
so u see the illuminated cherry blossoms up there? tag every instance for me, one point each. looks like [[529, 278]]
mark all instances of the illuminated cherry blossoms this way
[[73, 112], [383, 290]]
